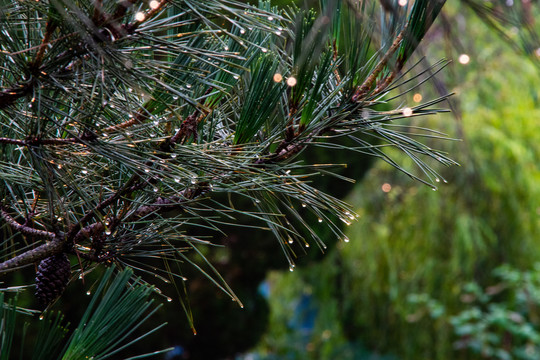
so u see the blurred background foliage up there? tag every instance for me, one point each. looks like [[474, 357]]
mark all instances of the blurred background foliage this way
[[443, 274]]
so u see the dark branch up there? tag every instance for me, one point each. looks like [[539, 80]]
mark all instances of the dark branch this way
[[9, 96], [29, 257], [26, 230]]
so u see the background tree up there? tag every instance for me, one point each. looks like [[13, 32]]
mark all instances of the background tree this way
[[132, 133]]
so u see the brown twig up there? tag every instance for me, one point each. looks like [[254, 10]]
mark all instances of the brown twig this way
[[4, 140], [38, 141], [187, 129], [74, 230], [49, 29], [140, 116], [9, 96], [32, 256], [26, 230], [368, 83]]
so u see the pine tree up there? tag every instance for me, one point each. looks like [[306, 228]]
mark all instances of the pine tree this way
[[130, 131]]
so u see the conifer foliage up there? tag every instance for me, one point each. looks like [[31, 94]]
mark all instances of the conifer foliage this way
[[129, 128]]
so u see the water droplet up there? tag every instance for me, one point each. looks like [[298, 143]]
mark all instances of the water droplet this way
[[270, 18], [291, 269], [236, 77], [291, 81], [108, 232], [175, 97], [80, 276], [257, 201], [177, 180], [188, 86], [146, 170], [84, 172], [346, 239], [59, 166], [464, 59], [88, 292], [169, 299], [407, 111], [156, 122], [139, 16], [154, 4], [41, 317], [242, 31], [155, 189], [319, 220], [194, 180], [278, 32], [173, 155], [226, 48], [304, 205], [152, 135], [264, 50], [291, 241], [434, 188], [437, 180], [307, 245]]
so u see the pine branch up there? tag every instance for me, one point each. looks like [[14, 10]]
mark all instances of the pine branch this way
[[35, 141], [24, 229], [55, 246], [77, 233], [368, 83], [10, 95], [49, 29], [103, 161]]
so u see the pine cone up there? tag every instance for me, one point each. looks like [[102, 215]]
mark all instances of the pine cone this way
[[51, 278]]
